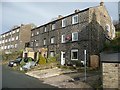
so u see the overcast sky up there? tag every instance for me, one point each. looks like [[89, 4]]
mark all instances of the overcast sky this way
[[16, 13]]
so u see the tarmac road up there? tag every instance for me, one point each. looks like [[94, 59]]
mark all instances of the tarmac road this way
[[14, 79]]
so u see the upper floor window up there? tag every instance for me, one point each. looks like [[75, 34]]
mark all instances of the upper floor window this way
[[13, 38], [74, 19], [16, 45], [75, 36], [74, 54], [45, 29], [3, 41], [63, 38], [17, 30], [64, 22], [32, 34], [13, 32], [4, 35], [52, 40], [37, 32], [10, 33], [6, 40], [53, 26], [44, 42], [16, 37]]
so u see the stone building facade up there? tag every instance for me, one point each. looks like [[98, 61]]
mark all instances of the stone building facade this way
[[69, 36], [15, 39], [111, 70]]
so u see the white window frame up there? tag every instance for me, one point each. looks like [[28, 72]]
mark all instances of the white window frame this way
[[74, 50], [53, 26], [13, 32], [13, 38], [17, 30], [75, 19], [6, 40], [4, 35], [64, 22], [52, 53], [16, 37], [45, 29], [32, 34], [52, 40], [3, 41], [73, 34], [37, 32], [44, 41], [63, 38], [36, 44], [16, 45]]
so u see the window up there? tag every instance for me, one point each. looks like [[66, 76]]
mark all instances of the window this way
[[10, 33], [63, 38], [75, 36], [3, 41], [4, 35], [16, 37], [5, 47], [75, 19], [32, 34], [2, 47], [45, 29], [52, 53], [17, 30], [107, 27], [64, 22], [13, 39], [16, 45], [13, 32], [12, 46], [74, 54], [6, 40], [53, 26], [37, 44], [9, 39], [37, 32], [31, 44], [52, 40], [44, 42]]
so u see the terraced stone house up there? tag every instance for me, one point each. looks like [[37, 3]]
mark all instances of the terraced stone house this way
[[70, 35], [15, 39]]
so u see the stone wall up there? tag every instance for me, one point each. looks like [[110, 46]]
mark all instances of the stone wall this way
[[111, 75]]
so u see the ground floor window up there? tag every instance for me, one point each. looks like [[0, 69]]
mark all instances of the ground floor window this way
[[52, 53], [74, 54]]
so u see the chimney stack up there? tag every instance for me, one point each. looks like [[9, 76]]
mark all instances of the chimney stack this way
[[101, 3], [77, 10], [60, 16]]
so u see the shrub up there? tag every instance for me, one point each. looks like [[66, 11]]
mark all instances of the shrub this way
[[42, 59]]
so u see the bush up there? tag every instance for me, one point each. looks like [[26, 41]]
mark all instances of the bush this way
[[42, 59]]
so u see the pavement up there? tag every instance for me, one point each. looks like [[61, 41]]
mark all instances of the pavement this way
[[58, 77]]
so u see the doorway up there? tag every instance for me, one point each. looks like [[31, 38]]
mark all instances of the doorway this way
[[62, 58]]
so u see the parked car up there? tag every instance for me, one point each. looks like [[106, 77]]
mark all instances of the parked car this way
[[27, 59], [28, 65], [14, 62]]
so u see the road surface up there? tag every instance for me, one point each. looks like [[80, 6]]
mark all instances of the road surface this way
[[14, 79]]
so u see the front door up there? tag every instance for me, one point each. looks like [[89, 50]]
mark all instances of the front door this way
[[62, 58]]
